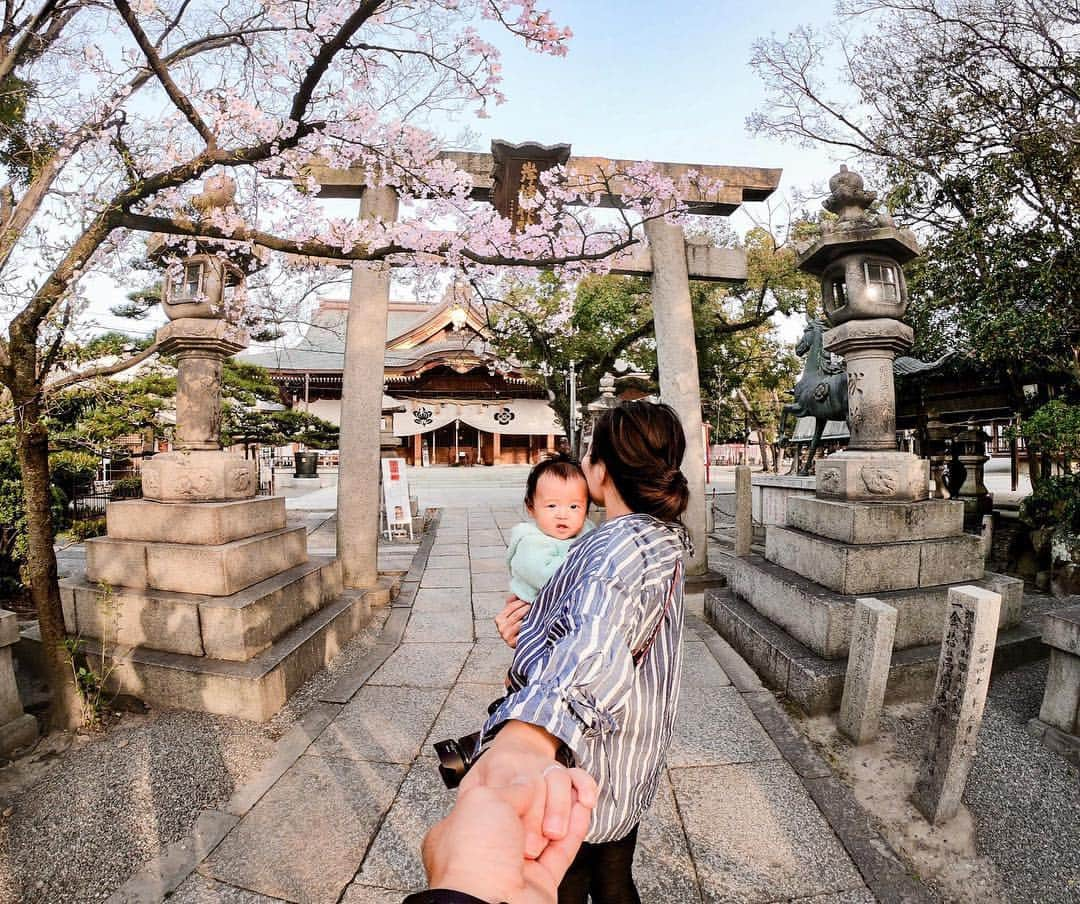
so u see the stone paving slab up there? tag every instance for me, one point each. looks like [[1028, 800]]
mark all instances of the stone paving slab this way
[[487, 663], [445, 577], [200, 890], [423, 665], [488, 566], [305, 839], [756, 836], [382, 724], [484, 629], [464, 711], [700, 668], [485, 537], [663, 868], [714, 727], [488, 604], [393, 860], [442, 599], [440, 562], [488, 552], [362, 894], [439, 550], [439, 627], [492, 583]]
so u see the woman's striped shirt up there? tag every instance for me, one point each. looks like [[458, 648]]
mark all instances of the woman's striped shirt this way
[[573, 671]]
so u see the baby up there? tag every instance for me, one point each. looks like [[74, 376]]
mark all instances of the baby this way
[[557, 499]]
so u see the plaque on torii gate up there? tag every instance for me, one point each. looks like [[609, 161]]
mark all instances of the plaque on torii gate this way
[[516, 175]]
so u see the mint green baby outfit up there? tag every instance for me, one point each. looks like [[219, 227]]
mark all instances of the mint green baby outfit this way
[[533, 557]]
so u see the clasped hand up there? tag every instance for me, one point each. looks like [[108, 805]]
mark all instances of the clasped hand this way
[[530, 815]]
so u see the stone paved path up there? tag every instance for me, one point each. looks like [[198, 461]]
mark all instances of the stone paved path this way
[[732, 822]]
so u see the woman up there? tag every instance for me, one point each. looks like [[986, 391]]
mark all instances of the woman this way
[[595, 676]]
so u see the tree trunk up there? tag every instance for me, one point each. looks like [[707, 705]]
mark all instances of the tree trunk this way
[[33, 449]]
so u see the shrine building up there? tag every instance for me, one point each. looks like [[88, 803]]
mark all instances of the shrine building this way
[[445, 400]]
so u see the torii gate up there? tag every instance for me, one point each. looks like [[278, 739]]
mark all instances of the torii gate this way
[[668, 259]]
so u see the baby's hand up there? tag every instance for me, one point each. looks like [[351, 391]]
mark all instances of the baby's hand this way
[[508, 622]]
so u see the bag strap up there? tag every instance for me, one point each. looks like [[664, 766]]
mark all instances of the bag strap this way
[[643, 651]]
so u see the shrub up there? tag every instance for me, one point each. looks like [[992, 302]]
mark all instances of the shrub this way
[[1054, 503], [85, 528], [126, 488]]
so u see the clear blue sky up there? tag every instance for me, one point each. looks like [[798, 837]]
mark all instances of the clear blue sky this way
[[656, 81]]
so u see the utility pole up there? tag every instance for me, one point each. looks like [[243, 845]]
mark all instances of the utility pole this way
[[572, 426]]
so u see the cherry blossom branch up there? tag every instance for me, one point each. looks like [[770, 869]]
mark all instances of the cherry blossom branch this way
[[320, 249], [153, 60]]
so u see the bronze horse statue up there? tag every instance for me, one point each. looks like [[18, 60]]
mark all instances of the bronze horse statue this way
[[821, 392]]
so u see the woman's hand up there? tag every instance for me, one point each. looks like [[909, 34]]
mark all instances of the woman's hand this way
[[508, 622], [524, 754]]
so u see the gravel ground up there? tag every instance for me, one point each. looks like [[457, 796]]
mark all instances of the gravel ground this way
[[83, 812], [1025, 799]]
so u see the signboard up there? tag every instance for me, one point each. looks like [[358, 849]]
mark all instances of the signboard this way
[[517, 175], [396, 492]]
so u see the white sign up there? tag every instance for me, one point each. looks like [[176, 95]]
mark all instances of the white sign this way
[[396, 491]]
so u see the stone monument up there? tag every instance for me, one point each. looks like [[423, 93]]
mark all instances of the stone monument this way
[[202, 595], [956, 707], [1058, 724], [18, 730], [870, 528]]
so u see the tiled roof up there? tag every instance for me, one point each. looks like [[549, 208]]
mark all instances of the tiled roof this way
[[323, 344]]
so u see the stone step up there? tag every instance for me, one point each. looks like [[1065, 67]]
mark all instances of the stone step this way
[[820, 618], [876, 522], [817, 684], [218, 570], [873, 568], [197, 523], [237, 627], [255, 689]]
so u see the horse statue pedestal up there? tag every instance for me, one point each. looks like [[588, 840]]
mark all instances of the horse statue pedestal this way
[[858, 476]]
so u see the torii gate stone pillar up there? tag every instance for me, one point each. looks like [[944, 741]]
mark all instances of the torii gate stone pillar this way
[[676, 355], [362, 390]]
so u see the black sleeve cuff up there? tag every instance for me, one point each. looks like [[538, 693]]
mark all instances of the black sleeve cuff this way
[[442, 896]]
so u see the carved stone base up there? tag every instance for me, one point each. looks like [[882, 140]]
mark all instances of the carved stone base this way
[[198, 476], [873, 477]]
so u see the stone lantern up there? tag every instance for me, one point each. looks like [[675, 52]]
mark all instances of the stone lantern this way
[[969, 457], [859, 260], [202, 297]]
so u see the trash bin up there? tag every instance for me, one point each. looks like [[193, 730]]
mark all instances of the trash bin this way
[[306, 464]]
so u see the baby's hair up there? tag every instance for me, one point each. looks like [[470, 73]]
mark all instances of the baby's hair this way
[[560, 465]]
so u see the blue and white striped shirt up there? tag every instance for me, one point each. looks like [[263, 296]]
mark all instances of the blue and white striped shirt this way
[[573, 673]]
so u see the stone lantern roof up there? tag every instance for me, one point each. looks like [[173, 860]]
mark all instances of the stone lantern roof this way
[[857, 225]]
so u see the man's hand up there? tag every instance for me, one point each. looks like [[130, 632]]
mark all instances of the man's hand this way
[[508, 622], [479, 848]]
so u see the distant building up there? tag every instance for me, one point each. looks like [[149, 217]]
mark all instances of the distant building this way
[[445, 398]]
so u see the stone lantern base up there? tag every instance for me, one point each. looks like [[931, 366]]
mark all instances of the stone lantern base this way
[[213, 606], [790, 612], [857, 476], [199, 476]]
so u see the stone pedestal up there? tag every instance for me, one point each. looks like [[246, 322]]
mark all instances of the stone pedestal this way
[[1058, 724], [869, 347], [790, 614], [200, 596], [17, 729], [771, 493], [856, 476]]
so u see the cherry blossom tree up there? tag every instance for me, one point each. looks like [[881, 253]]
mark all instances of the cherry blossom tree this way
[[112, 115]]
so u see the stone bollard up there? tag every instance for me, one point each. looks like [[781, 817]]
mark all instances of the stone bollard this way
[[17, 729], [872, 633], [744, 521], [987, 536], [963, 678]]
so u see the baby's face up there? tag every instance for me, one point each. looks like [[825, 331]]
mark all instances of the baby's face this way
[[559, 505]]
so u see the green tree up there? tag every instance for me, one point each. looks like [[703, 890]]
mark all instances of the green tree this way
[[546, 326], [969, 111]]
